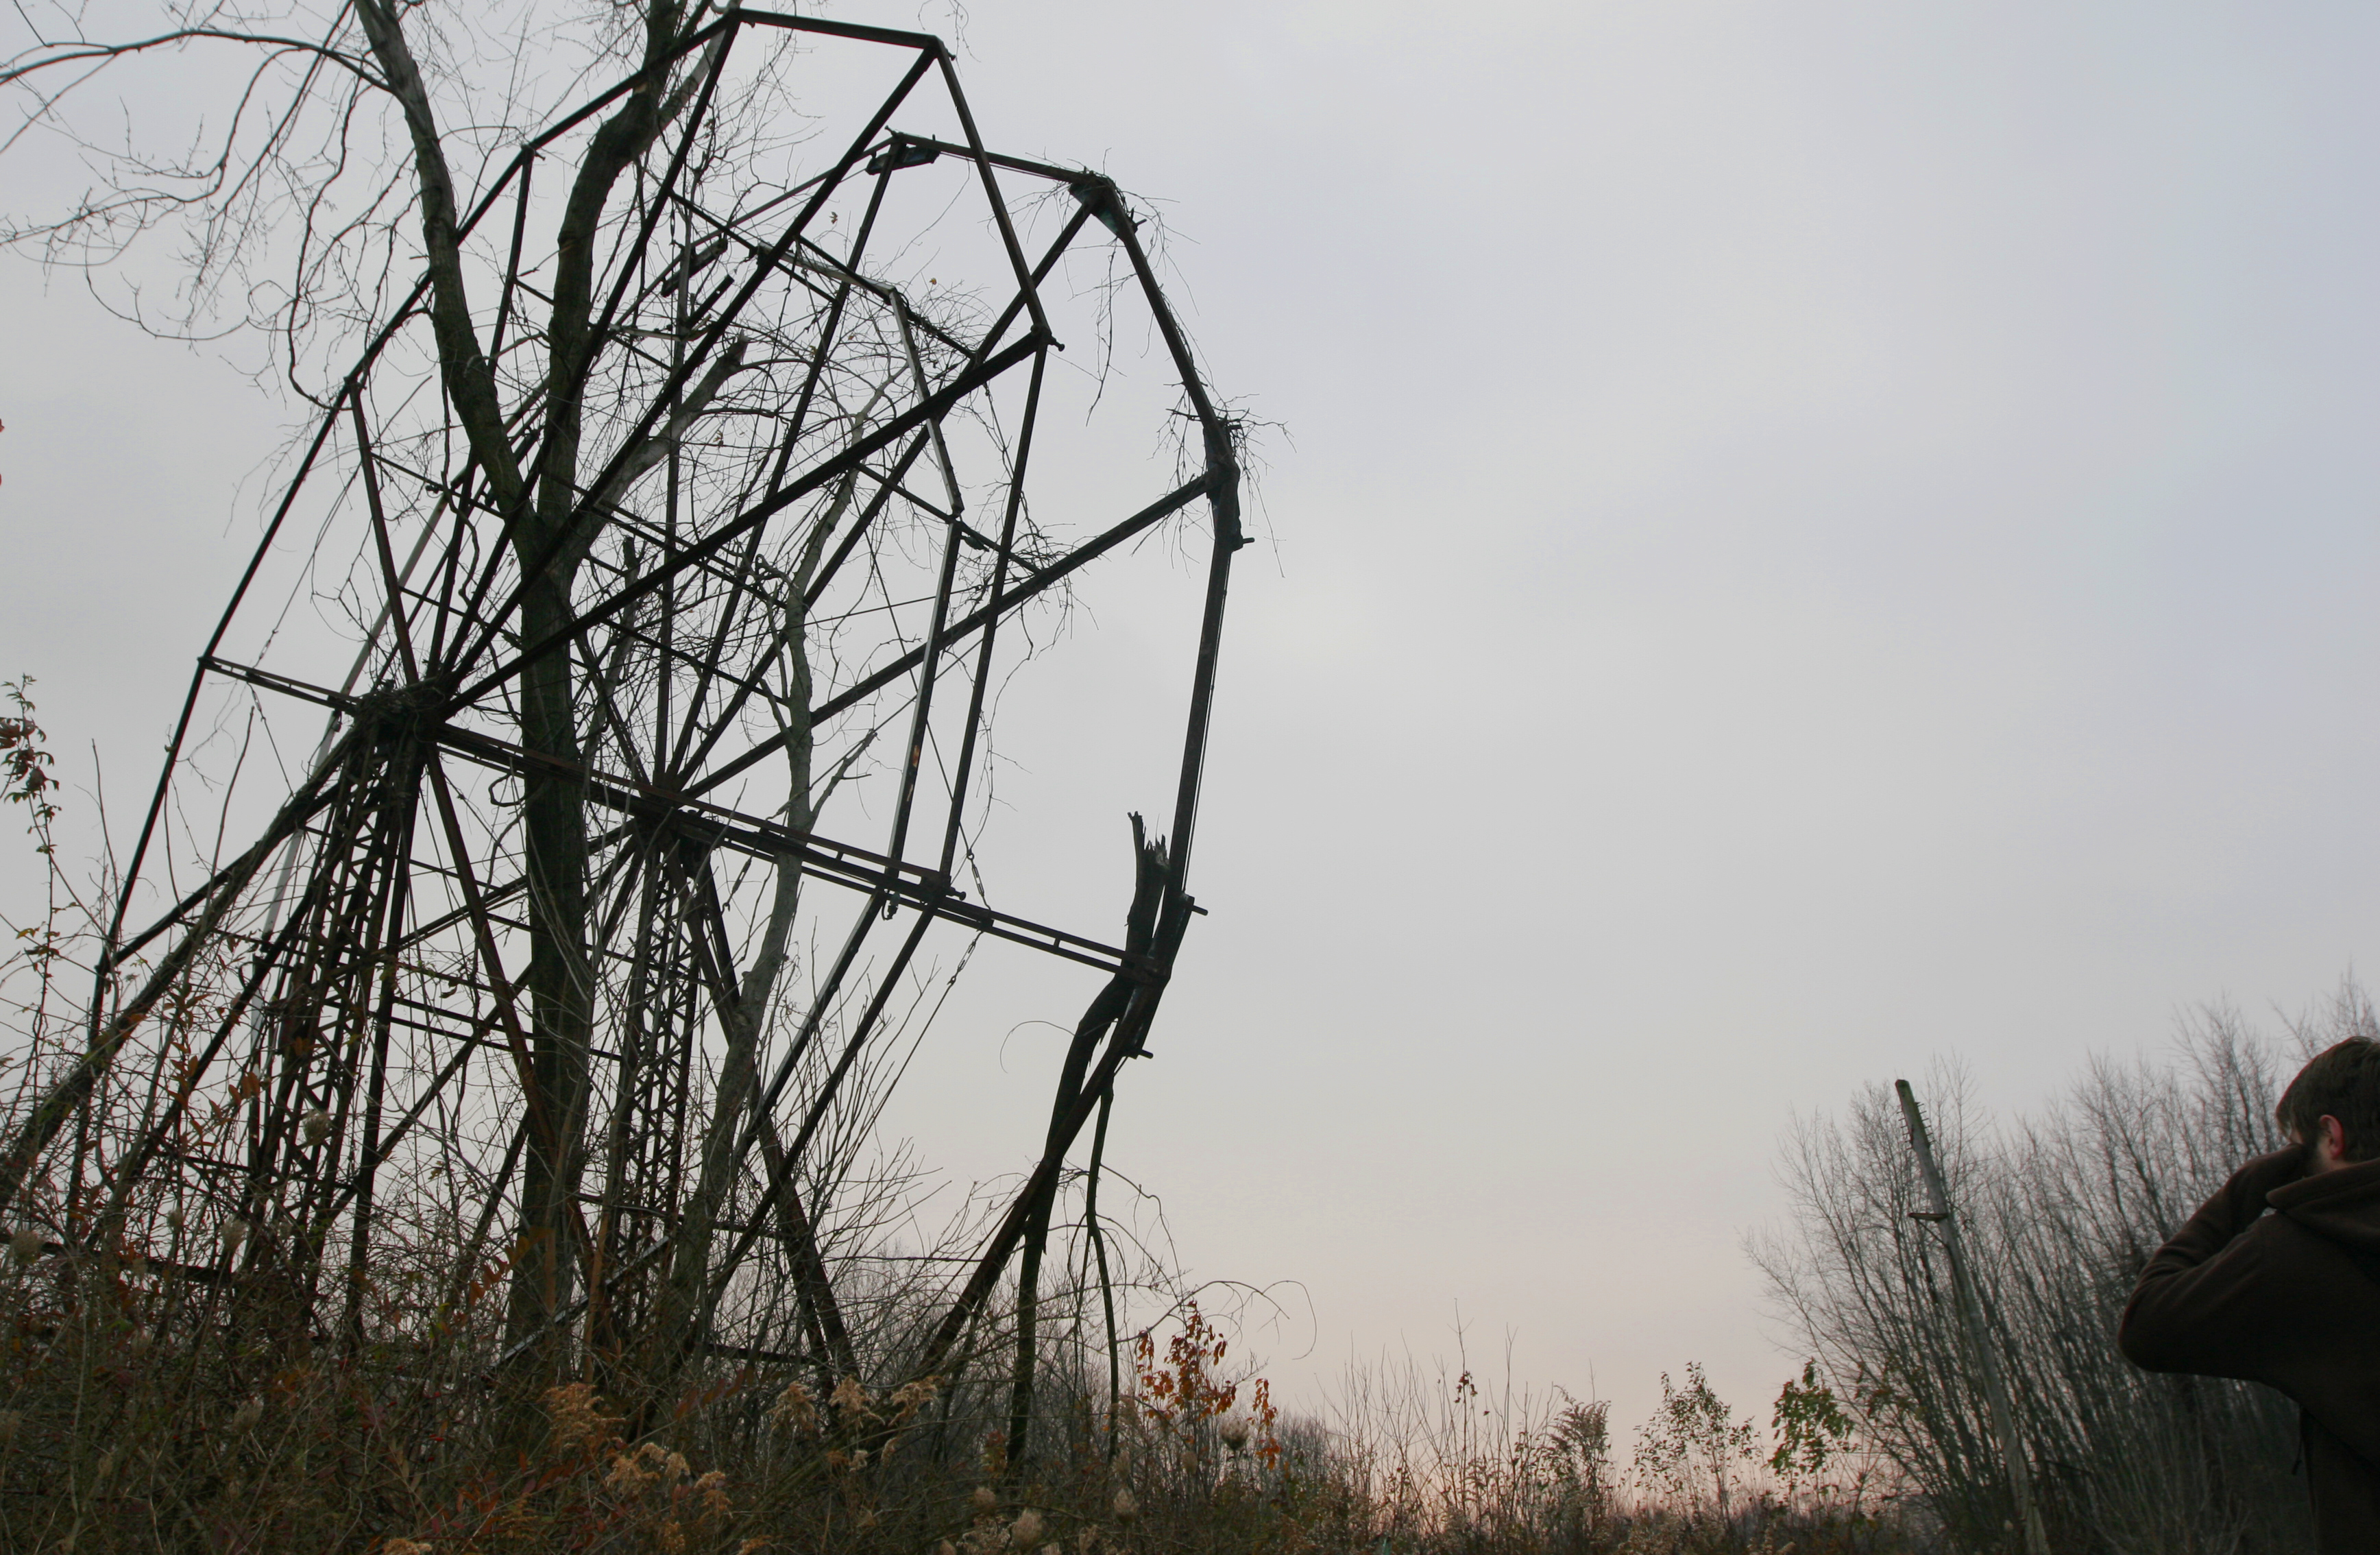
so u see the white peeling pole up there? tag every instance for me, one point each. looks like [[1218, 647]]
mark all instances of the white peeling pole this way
[[1971, 1312]]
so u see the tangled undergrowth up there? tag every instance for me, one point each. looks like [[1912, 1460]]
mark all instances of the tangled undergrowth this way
[[238, 1435]]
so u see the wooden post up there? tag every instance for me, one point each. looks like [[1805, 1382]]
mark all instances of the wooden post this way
[[1971, 1312]]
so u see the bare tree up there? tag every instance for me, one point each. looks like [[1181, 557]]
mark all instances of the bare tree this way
[[2061, 1211]]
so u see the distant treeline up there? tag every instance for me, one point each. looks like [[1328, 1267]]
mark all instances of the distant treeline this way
[[2060, 1210]]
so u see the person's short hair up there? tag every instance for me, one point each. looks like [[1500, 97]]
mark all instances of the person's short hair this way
[[2342, 1082]]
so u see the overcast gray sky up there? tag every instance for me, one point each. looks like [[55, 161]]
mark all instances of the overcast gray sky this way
[[1804, 538]]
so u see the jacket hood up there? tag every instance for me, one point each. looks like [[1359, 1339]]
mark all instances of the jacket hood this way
[[2341, 1206]]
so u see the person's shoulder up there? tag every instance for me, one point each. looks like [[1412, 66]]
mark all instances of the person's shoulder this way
[[2338, 1211], [2321, 1269]]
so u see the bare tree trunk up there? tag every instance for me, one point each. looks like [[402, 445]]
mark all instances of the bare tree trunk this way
[[561, 990], [552, 535]]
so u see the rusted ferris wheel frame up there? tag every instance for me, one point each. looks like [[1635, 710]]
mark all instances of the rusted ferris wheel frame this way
[[382, 793]]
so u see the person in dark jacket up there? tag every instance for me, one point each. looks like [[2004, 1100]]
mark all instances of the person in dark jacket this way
[[2291, 1299]]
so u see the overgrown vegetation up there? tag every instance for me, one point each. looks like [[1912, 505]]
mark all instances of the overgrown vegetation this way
[[247, 1434]]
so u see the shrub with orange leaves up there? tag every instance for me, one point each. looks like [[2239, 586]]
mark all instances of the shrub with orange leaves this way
[[1186, 1388], [1187, 1396]]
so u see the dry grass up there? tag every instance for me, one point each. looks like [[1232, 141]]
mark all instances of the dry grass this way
[[147, 1409]]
